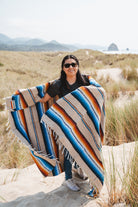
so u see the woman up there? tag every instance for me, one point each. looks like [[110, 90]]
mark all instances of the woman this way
[[69, 80]]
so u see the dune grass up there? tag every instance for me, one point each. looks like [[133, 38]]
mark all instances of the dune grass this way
[[116, 194], [131, 180], [122, 186], [130, 72], [27, 69], [13, 154], [121, 123]]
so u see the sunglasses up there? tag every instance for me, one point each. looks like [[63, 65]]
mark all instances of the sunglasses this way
[[67, 65]]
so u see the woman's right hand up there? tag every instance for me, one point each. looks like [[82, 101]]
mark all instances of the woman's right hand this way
[[45, 98]]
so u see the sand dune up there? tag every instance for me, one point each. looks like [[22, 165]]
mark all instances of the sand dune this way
[[27, 187], [113, 73]]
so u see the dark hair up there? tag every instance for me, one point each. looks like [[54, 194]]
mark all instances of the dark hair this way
[[80, 78], [69, 57]]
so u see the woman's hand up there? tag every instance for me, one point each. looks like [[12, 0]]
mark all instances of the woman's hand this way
[[45, 98]]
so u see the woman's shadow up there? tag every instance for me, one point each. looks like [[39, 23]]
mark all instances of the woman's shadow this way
[[60, 197]]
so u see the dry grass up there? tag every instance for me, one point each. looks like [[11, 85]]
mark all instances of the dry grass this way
[[116, 194], [27, 69], [131, 181], [122, 187], [130, 73], [13, 154], [121, 123]]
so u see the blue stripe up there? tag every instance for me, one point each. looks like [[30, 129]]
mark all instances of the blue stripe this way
[[45, 132], [44, 163], [16, 98], [99, 148], [47, 138], [40, 90], [19, 126], [75, 144], [31, 95], [93, 82], [100, 93], [89, 104], [103, 110], [78, 95], [34, 128]]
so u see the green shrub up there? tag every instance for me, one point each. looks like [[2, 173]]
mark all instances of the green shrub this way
[[1, 64]]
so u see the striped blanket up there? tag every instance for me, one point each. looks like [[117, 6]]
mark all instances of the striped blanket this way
[[74, 122]]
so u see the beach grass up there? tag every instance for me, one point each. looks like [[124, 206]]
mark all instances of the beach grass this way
[[121, 123], [131, 180], [122, 186]]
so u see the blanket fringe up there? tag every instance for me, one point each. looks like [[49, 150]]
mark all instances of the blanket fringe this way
[[61, 146]]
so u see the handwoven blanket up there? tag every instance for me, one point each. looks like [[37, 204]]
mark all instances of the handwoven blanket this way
[[74, 122]]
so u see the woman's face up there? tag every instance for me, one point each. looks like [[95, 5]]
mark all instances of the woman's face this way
[[70, 67]]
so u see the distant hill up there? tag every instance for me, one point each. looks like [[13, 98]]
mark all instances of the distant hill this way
[[35, 42], [4, 39], [29, 44], [43, 47]]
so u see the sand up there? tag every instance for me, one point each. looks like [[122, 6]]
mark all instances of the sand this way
[[27, 187], [113, 73]]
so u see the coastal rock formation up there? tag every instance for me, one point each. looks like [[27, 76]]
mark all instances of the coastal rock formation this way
[[113, 47]]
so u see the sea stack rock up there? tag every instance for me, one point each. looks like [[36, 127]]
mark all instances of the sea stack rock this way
[[113, 47]]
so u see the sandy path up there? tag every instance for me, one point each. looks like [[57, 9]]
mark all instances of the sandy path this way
[[27, 187]]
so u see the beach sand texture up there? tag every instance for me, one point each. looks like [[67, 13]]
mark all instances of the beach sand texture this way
[[27, 187]]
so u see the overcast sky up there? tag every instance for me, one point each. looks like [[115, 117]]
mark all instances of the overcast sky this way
[[98, 22]]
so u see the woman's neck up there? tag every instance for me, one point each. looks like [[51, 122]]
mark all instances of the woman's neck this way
[[71, 80]]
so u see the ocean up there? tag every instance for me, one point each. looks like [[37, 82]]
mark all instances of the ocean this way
[[121, 52]]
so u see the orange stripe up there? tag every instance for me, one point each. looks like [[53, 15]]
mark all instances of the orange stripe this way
[[101, 135], [46, 104], [45, 107], [21, 113], [92, 99], [89, 77], [43, 170], [63, 113], [11, 105], [59, 165], [71, 123], [87, 146], [47, 86]]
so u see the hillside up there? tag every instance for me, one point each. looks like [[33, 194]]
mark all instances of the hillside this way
[[36, 44], [26, 69]]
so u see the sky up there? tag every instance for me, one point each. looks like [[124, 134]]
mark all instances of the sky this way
[[93, 22]]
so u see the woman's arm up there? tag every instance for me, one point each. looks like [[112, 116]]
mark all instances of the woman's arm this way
[[45, 98], [52, 91]]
